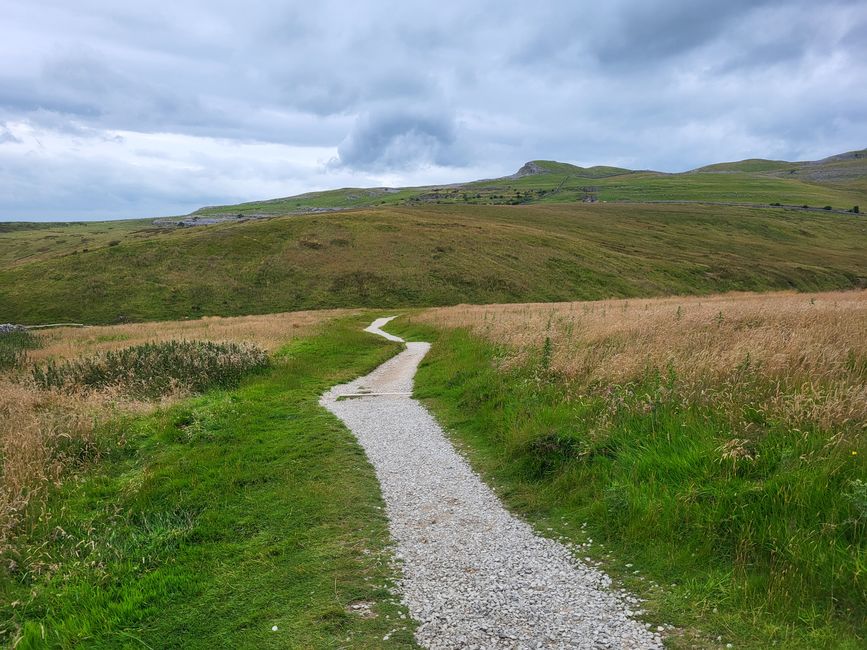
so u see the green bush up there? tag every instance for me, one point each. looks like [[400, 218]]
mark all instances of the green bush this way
[[13, 349], [154, 369]]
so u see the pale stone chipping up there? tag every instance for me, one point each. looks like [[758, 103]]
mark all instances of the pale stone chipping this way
[[473, 575]]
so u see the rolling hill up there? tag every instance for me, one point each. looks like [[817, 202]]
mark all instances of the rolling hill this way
[[551, 231], [839, 181], [429, 255]]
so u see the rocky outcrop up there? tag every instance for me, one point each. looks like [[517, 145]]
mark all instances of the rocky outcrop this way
[[529, 169]]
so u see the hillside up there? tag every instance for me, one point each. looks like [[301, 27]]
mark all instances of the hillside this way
[[838, 181], [847, 171], [431, 255]]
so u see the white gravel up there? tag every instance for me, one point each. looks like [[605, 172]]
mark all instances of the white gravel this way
[[473, 575]]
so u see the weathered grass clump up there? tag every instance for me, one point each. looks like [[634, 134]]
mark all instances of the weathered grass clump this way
[[14, 347], [152, 370]]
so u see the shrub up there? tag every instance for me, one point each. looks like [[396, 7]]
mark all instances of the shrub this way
[[13, 348], [154, 369]]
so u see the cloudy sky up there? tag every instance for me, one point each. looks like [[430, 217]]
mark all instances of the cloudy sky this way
[[112, 110]]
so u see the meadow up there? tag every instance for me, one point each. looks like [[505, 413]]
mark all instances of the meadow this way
[[707, 450], [168, 477], [837, 182], [710, 451]]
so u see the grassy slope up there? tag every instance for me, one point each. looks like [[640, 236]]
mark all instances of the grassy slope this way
[[217, 519], [560, 184], [737, 555], [440, 255], [29, 242], [734, 187]]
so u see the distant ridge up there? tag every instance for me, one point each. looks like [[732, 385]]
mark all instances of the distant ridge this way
[[838, 181], [539, 167]]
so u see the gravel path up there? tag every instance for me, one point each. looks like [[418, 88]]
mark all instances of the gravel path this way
[[474, 576]]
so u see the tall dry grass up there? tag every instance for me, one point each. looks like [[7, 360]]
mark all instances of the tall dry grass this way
[[44, 433], [800, 356], [267, 331]]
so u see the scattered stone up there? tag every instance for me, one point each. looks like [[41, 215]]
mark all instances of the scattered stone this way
[[10, 328]]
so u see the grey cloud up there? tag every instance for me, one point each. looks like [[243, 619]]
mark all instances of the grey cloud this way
[[6, 136], [390, 88], [650, 33], [394, 139]]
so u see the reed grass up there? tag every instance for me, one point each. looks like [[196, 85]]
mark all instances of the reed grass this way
[[152, 370], [14, 347], [801, 358]]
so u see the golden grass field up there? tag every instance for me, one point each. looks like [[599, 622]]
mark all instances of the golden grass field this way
[[808, 348], [43, 433]]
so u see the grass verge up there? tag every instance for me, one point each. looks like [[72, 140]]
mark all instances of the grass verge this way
[[761, 552], [207, 523]]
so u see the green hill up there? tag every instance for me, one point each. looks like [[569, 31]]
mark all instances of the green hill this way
[[551, 231], [750, 165], [839, 181], [431, 255]]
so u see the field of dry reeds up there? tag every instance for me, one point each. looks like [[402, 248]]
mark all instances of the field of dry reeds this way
[[810, 350]]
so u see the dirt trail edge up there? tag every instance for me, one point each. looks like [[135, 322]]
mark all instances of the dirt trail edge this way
[[473, 575]]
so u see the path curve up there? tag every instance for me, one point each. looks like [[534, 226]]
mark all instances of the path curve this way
[[473, 575]]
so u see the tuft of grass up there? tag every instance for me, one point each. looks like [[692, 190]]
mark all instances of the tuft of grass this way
[[721, 459], [13, 349], [152, 370]]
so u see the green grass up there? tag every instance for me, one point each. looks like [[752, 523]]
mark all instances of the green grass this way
[[22, 243], [436, 255], [13, 349], [761, 553], [750, 165], [566, 183], [151, 370], [205, 524]]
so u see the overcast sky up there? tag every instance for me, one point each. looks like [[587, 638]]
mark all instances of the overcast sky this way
[[112, 110]]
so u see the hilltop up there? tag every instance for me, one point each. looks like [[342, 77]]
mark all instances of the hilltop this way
[[838, 181]]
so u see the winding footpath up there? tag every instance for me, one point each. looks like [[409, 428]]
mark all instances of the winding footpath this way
[[473, 575]]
